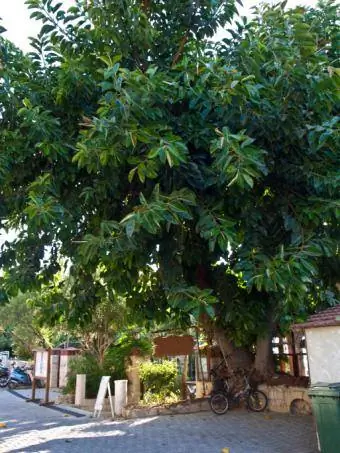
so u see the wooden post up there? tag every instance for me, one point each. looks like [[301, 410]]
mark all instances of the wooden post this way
[[281, 352], [184, 377], [58, 370], [47, 389], [209, 361], [295, 361], [33, 378], [200, 359]]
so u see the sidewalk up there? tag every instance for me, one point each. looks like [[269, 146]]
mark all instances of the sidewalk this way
[[53, 395], [35, 429]]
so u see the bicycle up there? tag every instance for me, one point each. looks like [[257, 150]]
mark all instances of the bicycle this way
[[256, 400]]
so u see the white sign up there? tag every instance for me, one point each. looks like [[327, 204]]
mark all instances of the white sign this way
[[4, 357], [41, 364], [104, 388]]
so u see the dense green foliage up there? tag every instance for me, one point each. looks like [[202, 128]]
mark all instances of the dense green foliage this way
[[85, 364], [20, 329], [159, 380], [127, 344], [6, 342], [194, 178], [114, 363]]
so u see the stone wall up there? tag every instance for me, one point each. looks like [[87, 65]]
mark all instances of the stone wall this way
[[285, 399], [87, 405], [187, 407], [294, 400]]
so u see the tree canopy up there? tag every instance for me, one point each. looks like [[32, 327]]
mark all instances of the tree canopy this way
[[196, 178], [21, 328]]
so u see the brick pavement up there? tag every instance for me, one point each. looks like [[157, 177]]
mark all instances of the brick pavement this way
[[31, 428]]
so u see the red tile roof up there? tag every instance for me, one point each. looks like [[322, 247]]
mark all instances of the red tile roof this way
[[328, 317]]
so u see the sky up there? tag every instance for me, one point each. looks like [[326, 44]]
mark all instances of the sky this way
[[19, 26]]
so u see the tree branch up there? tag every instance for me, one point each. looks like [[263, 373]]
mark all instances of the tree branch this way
[[146, 4], [179, 53]]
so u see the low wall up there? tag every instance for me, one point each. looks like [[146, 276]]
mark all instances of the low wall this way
[[87, 405], [294, 400], [187, 407]]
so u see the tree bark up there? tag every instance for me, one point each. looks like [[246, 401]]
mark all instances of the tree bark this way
[[239, 357], [264, 359]]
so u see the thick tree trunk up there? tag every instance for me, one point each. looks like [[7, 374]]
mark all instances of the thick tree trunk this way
[[238, 357], [264, 360]]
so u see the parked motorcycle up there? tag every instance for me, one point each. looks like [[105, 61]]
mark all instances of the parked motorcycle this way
[[19, 377], [4, 375]]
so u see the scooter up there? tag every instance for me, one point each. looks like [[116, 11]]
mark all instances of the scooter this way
[[4, 375], [21, 376]]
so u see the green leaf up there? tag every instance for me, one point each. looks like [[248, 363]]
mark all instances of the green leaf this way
[[130, 227], [47, 28], [248, 180]]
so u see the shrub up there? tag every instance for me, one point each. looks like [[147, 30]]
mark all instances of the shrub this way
[[159, 380], [85, 364], [117, 354], [114, 364]]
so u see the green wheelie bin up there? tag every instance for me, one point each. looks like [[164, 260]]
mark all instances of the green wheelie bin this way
[[326, 409]]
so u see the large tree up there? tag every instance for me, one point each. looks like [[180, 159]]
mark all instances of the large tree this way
[[20, 326], [196, 178]]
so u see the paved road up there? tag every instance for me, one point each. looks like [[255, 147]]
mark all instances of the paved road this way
[[31, 428]]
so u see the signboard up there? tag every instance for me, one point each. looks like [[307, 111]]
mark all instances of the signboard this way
[[42, 370], [41, 364], [104, 388], [173, 345], [4, 357]]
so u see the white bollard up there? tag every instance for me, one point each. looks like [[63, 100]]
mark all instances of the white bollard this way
[[80, 389], [120, 396]]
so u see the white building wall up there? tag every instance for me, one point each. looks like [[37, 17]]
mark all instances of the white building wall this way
[[323, 347], [63, 369], [54, 371]]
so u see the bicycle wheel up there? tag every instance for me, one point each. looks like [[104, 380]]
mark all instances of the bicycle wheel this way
[[257, 401], [219, 403]]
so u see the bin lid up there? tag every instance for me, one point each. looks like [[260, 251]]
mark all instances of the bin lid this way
[[325, 389]]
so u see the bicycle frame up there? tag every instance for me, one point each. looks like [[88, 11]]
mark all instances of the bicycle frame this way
[[242, 394]]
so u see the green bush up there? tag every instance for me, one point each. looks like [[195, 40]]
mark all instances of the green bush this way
[[159, 380], [86, 364], [117, 354], [114, 364], [157, 399]]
